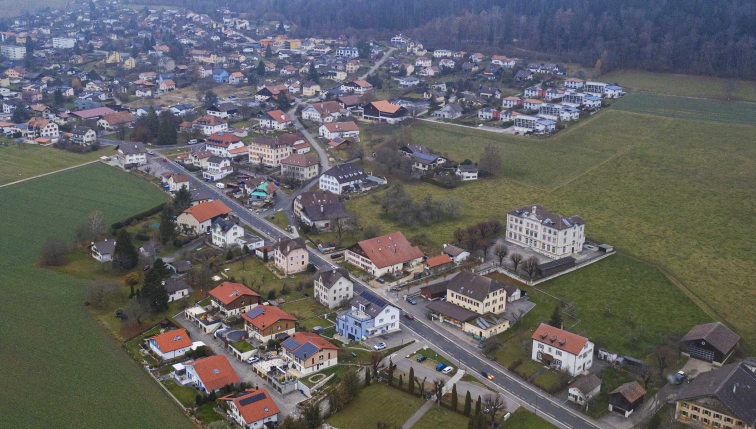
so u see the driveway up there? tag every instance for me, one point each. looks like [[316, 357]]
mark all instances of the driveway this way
[[286, 403]]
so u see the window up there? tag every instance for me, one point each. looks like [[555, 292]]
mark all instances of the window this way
[[540, 346]]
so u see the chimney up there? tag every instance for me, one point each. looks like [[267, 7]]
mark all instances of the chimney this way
[[735, 387], [534, 208], [321, 208]]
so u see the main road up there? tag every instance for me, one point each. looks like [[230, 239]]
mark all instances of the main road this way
[[504, 381]]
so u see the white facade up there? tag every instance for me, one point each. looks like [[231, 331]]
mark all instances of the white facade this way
[[544, 237], [333, 296], [13, 52], [564, 360], [221, 150], [330, 183], [228, 238], [168, 355], [337, 131], [174, 186], [595, 88], [217, 169], [236, 415], [63, 42]]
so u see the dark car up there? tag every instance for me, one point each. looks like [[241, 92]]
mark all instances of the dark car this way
[[422, 358], [487, 375], [146, 267], [412, 301], [381, 281], [409, 316], [336, 256]]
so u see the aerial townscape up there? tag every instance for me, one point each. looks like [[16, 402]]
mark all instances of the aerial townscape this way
[[358, 214]]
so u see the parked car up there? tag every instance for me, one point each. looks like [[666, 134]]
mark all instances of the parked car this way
[[192, 141], [680, 377], [487, 375], [447, 369], [253, 359], [379, 346], [336, 256], [381, 281], [412, 301], [422, 358], [441, 366]]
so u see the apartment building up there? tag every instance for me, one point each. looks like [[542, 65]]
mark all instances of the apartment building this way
[[545, 231], [562, 350], [269, 151], [477, 293], [333, 286]]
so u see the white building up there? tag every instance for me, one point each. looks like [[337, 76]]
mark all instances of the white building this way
[[132, 153], [347, 52], [103, 251], [595, 88], [171, 344], [345, 130], [217, 168], [574, 83], [13, 52], [227, 232], [562, 350], [583, 389], [275, 120], [252, 409], [332, 286], [341, 176], [386, 254], [533, 124], [545, 232], [63, 42]]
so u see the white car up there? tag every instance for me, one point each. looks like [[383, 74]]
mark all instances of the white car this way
[[380, 346], [192, 141], [253, 359], [447, 370]]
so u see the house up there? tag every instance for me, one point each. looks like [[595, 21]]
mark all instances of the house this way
[[313, 198], [477, 293], [503, 61], [299, 167], [217, 168], [309, 353], [523, 75], [369, 316], [545, 232], [352, 66], [626, 398], [574, 83], [210, 124], [488, 113], [492, 72], [442, 53], [176, 181], [324, 216], [223, 110], [349, 102], [220, 76], [390, 253], [584, 389], [595, 88], [115, 120], [466, 172], [83, 135], [131, 154], [490, 92], [408, 81], [183, 110], [423, 62], [470, 68], [327, 111], [177, 289], [347, 52], [457, 254], [252, 408], [339, 129], [199, 158], [384, 111], [562, 350], [167, 85], [423, 163], [449, 111], [333, 286], [533, 124], [211, 373], [710, 342], [446, 63], [260, 188], [269, 151], [613, 91], [227, 232], [310, 89], [40, 127], [342, 177], [477, 57], [222, 144], [275, 120], [236, 78], [234, 298], [477, 325], [357, 86], [103, 251], [438, 264], [199, 218], [532, 104], [510, 102], [722, 397], [291, 255], [171, 344], [266, 322]]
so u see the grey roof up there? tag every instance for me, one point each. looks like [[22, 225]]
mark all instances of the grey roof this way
[[348, 172], [329, 276], [417, 148], [473, 285], [175, 285], [80, 131], [547, 217], [557, 263], [223, 107], [586, 383], [467, 167], [105, 247], [291, 343], [424, 159], [734, 385], [201, 195], [307, 349], [215, 159], [452, 311], [453, 250], [716, 334], [322, 212], [181, 266], [226, 224], [132, 148], [373, 305], [287, 245]]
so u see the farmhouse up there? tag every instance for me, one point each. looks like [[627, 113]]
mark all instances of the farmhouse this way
[[234, 298], [390, 253], [545, 232], [562, 350]]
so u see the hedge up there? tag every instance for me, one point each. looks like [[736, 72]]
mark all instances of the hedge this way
[[437, 183], [120, 224]]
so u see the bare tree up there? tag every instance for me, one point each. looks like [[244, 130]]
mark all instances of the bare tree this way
[[375, 360], [531, 266], [493, 404], [151, 249], [54, 252], [495, 226], [96, 224], [730, 88], [438, 389], [339, 224], [459, 235], [136, 310], [98, 290], [421, 385], [664, 357], [516, 259], [501, 252]]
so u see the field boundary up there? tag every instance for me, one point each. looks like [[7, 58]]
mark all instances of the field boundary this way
[[47, 174]]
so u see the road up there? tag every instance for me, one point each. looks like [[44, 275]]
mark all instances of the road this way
[[510, 385], [324, 165], [483, 128], [378, 64]]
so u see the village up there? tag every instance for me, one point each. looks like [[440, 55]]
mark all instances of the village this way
[[260, 294]]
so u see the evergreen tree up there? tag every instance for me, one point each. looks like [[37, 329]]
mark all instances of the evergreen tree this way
[[261, 68], [229, 255], [167, 134], [478, 406], [268, 52], [556, 317], [167, 228], [153, 122], [312, 416], [280, 28], [454, 398], [20, 114], [265, 255], [367, 377], [161, 268], [401, 381], [58, 99], [468, 405], [125, 255], [411, 386], [351, 384], [312, 74], [182, 200], [153, 291]]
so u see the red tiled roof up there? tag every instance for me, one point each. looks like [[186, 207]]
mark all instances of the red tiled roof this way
[[334, 127], [290, 139], [554, 337], [320, 342], [385, 106], [208, 210], [118, 118], [227, 292], [389, 249], [222, 138], [172, 340], [438, 260], [279, 116], [300, 160], [254, 411], [215, 372], [209, 120], [269, 316]]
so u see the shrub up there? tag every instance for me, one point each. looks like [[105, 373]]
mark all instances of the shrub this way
[[138, 217], [515, 364]]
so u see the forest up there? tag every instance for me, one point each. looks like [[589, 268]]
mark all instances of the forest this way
[[684, 36]]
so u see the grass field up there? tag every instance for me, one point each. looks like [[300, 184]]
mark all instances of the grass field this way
[[30, 160], [698, 109], [371, 406], [523, 418], [441, 418], [51, 343], [679, 84], [657, 188]]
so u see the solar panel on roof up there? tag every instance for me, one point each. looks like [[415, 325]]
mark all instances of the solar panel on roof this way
[[252, 399], [373, 299], [255, 312], [291, 343]]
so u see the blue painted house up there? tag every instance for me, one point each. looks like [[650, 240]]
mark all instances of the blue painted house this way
[[220, 76], [369, 316]]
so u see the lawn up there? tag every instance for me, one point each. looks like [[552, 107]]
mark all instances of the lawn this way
[[30, 160], [305, 308], [52, 343], [185, 394], [441, 418], [251, 273], [698, 109], [523, 418], [371, 406], [279, 219], [679, 84]]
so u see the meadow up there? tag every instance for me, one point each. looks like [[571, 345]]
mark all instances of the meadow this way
[[54, 350], [30, 160], [679, 84], [697, 109]]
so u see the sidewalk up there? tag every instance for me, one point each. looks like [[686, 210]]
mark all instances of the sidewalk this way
[[418, 414]]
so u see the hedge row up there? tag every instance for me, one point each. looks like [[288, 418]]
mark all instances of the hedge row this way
[[437, 182], [125, 222]]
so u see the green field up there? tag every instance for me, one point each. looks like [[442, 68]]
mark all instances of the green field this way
[[697, 109], [442, 418], [523, 418], [54, 351], [657, 188], [679, 84], [30, 160], [371, 406]]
